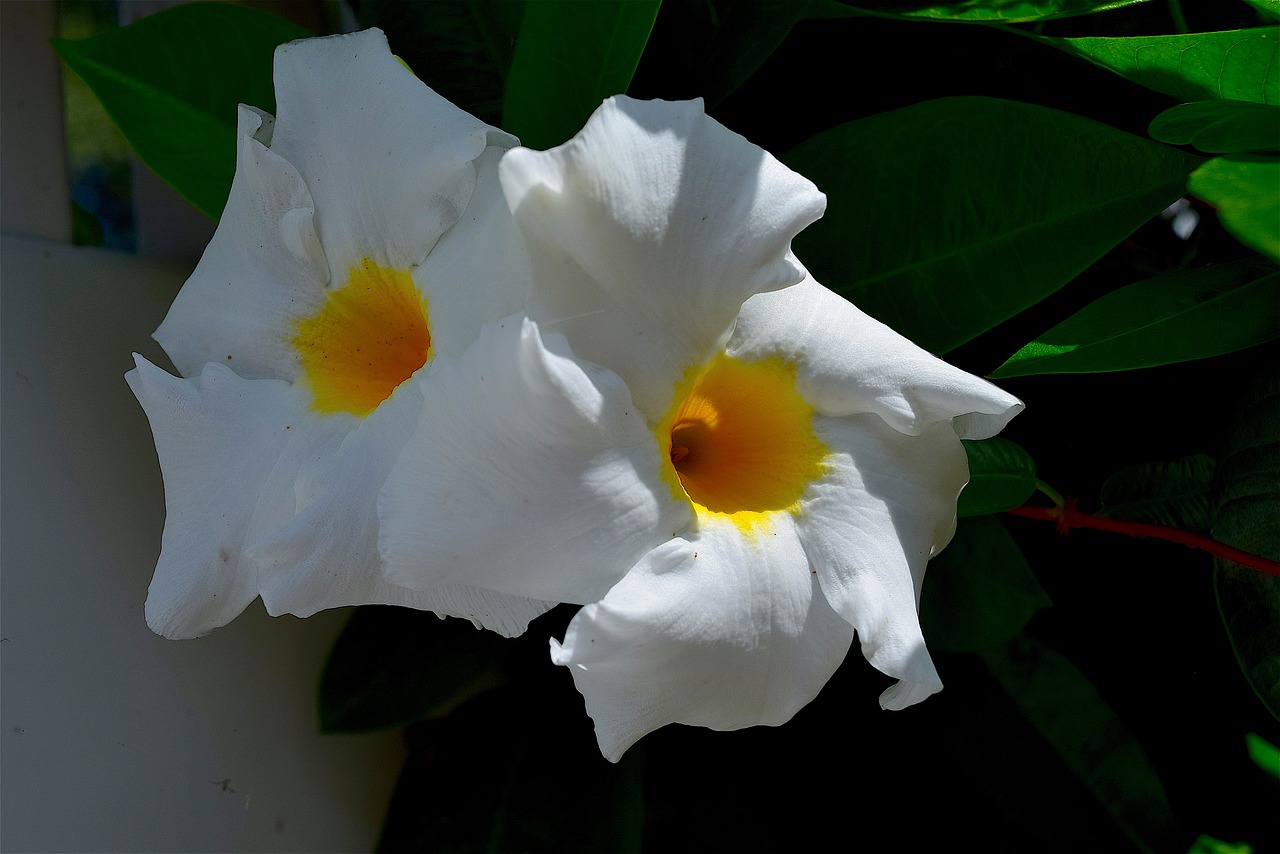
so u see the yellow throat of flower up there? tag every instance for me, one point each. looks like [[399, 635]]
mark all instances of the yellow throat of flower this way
[[370, 335], [741, 441]]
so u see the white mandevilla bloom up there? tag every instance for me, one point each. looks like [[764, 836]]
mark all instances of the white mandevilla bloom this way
[[809, 455], [365, 241]]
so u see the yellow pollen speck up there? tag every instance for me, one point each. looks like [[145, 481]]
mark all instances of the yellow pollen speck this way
[[370, 335], [740, 440]]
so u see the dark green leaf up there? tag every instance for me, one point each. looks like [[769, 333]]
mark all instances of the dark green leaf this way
[[1001, 475], [1264, 754], [571, 56], [460, 48], [172, 81], [980, 591], [1247, 516], [996, 11], [1243, 189], [1237, 65], [1173, 493], [948, 217], [1087, 734], [1176, 317], [1220, 127], [392, 666]]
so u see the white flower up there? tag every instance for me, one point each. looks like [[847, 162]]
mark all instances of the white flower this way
[[365, 241], [810, 455]]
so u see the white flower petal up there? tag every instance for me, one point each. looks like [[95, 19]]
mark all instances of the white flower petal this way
[[327, 555], [850, 363], [720, 631], [263, 269], [529, 473], [230, 450], [886, 505], [387, 160], [649, 229]]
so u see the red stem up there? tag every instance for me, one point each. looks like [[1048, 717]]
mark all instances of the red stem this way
[[1069, 517]]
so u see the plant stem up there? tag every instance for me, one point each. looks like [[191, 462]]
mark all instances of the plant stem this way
[[1068, 517]]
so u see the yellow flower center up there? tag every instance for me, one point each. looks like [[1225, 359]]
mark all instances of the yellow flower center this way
[[370, 335], [741, 440]]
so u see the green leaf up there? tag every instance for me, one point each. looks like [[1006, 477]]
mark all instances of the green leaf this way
[[999, 11], [1235, 65], [1175, 317], [1243, 189], [948, 217], [1220, 127], [172, 81], [1174, 493], [1001, 475], [571, 56], [1263, 753], [393, 666], [980, 591], [460, 48], [1247, 516], [1084, 731], [1205, 844]]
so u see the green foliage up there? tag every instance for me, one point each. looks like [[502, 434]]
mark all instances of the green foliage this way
[[393, 666], [1264, 754], [1068, 711], [1208, 845], [1183, 315], [1001, 475], [1240, 65], [1243, 189], [969, 210], [1220, 127], [997, 11], [1247, 516], [980, 592], [569, 57], [1174, 493], [171, 82]]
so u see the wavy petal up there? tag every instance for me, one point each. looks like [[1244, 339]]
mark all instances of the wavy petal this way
[[851, 363], [649, 229], [327, 555], [387, 160], [529, 473], [721, 631], [230, 450], [885, 506]]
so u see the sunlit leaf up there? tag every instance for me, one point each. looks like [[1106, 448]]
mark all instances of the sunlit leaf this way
[[1175, 317], [393, 666], [1243, 189], [1084, 731], [1247, 516], [948, 217], [1236, 65], [1174, 493], [1001, 475], [172, 81], [569, 57], [1208, 845], [996, 11], [1220, 127], [980, 591]]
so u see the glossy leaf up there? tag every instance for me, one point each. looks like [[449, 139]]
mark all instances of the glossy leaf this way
[[172, 81], [1236, 65], [1084, 731], [570, 56], [393, 666], [1220, 127], [1000, 11], [948, 217], [980, 591], [1243, 189], [1176, 317], [1174, 493], [1001, 475], [1247, 516]]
